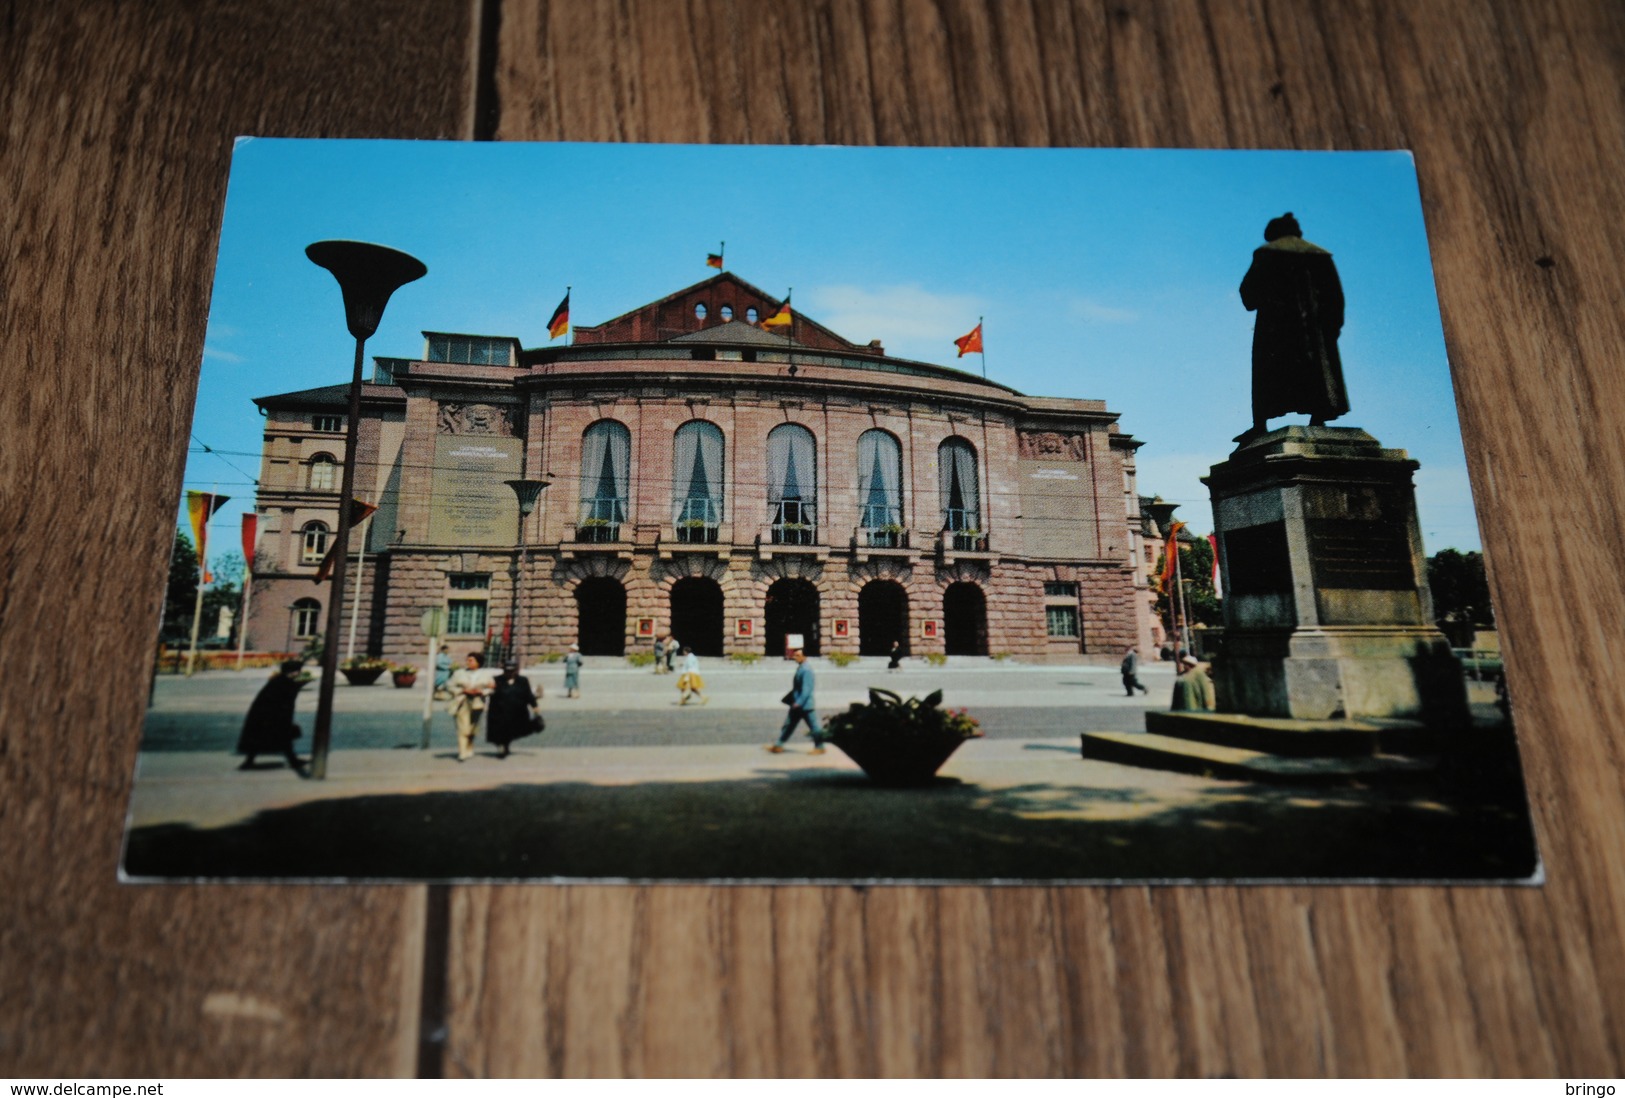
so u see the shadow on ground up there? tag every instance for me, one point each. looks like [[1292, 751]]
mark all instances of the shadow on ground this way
[[1472, 823]]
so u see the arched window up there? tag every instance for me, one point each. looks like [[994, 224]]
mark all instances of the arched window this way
[[792, 485], [606, 459], [960, 491], [305, 615], [696, 481], [323, 474], [315, 543], [880, 487]]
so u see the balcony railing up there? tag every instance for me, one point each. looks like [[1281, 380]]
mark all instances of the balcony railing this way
[[601, 519], [882, 528], [697, 520], [961, 531], [794, 523]]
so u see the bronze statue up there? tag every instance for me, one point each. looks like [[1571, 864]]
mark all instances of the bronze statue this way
[[1294, 288]]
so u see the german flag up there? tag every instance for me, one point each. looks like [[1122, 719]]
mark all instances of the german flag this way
[[559, 323], [970, 343], [713, 259], [780, 318]]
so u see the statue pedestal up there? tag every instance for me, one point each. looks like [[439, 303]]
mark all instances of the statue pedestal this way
[[1327, 611]]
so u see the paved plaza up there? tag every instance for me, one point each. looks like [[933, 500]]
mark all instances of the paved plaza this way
[[626, 784]]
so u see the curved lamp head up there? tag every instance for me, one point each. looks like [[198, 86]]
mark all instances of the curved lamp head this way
[[368, 274], [528, 492]]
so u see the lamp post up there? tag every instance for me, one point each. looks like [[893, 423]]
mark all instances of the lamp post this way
[[367, 274], [528, 491]]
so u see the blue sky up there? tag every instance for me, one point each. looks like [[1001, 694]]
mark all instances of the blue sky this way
[[1102, 274]]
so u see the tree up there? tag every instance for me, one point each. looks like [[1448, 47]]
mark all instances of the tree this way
[[181, 594], [1196, 569], [1461, 594]]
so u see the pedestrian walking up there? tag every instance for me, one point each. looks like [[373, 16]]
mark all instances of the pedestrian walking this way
[[442, 673], [1193, 689], [513, 710], [689, 682], [802, 707], [671, 651], [660, 655], [470, 685], [268, 728], [1131, 672], [572, 672], [896, 660]]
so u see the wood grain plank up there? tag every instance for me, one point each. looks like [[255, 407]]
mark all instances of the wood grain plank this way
[[117, 134]]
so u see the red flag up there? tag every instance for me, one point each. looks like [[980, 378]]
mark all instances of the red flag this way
[[1170, 555], [1213, 540], [250, 526], [358, 514], [559, 322], [970, 342]]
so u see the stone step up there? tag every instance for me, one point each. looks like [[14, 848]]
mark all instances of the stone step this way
[[1158, 752], [1294, 738]]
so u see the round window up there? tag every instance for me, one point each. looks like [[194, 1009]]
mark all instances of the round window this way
[[699, 311], [726, 312], [750, 315]]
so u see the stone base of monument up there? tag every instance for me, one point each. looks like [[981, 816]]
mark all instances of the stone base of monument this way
[[1273, 749]]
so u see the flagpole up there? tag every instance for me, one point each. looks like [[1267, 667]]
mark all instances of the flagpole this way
[[568, 304], [355, 606], [1184, 613], [984, 346], [202, 571], [242, 611], [722, 255]]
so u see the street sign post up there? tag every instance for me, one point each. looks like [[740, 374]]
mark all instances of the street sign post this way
[[434, 627]]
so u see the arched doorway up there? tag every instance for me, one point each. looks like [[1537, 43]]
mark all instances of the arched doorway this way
[[696, 615], [601, 617], [882, 617], [792, 607], [964, 620]]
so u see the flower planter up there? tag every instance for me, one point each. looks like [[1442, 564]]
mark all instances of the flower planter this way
[[901, 759], [403, 679], [362, 676]]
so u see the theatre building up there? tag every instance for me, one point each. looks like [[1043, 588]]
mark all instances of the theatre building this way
[[729, 484]]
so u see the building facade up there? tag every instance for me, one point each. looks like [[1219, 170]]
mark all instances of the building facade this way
[[732, 485]]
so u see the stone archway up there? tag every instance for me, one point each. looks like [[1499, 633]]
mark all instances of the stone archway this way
[[882, 617], [964, 620], [696, 614], [791, 606], [601, 616]]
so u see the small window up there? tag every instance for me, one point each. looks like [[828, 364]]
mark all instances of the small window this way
[[1062, 620], [315, 544], [327, 423], [323, 474], [470, 581], [726, 312], [750, 316], [465, 617], [699, 311], [305, 613], [1060, 590]]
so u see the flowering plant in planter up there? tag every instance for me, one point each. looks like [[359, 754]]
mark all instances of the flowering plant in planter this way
[[900, 742], [363, 670], [404, 674]]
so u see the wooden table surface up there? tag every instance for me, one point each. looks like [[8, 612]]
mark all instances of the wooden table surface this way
[[118, 126]]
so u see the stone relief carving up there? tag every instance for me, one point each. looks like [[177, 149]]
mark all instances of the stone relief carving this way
[[476, 419], [1050, 446]]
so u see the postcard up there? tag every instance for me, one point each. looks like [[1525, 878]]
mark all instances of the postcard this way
[[569, 512]]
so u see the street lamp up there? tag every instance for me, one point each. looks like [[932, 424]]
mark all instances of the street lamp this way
[[528, 491], [367, 274]]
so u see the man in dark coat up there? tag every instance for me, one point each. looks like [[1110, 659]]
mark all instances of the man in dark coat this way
[[1294, 288], [269, 728]]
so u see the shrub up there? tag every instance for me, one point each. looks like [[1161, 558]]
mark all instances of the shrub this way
[[1001, 656], [553, 657], [365, 663], [745, 658], [641, 659], [402, 669], [936, 659], [842, 659]]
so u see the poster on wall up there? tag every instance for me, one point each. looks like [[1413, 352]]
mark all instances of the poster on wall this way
[[644, 432]]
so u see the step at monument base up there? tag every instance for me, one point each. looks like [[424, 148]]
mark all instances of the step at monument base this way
[[1153, 751]]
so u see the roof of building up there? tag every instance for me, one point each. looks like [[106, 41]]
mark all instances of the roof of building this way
[[325, 396]]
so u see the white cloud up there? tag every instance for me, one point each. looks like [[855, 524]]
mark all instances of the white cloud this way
[[221, 356], [898, 316], [1085, 309]]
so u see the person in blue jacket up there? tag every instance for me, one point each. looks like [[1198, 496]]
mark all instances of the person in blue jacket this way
[[801, 703]]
